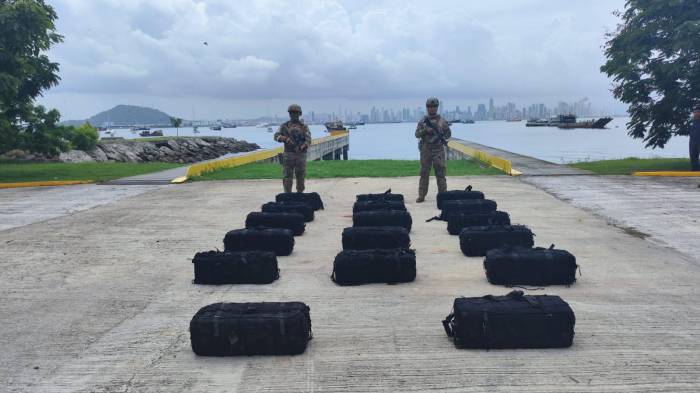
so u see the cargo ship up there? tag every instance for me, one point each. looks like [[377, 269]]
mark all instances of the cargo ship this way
[[569, 122]]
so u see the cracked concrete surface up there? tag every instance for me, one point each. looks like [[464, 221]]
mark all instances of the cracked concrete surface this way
[[24, 206], [664, 210], [100, 301]]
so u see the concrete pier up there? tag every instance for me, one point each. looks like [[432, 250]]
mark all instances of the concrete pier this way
[[326, 148], [509, 162]]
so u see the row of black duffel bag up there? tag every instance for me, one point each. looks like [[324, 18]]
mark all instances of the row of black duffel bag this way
[[511, 258], [515, 320], [250, 257], [250, 254], [376, 249]]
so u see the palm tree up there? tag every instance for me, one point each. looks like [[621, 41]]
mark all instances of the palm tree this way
[[176, 122]]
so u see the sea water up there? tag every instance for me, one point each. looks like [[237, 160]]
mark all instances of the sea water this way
[[397, 140]]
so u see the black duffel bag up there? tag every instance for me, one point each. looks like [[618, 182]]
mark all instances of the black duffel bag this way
[[476, 241], [458, 195], [458, 221], [386, 196], [292, 221], [355, 267], [530, 266], [467, 206], [235, 267], [231, 329], [382, 218], [310, 198], [366, 238], [292, 207], [278, 240], [378, 205], [510, 322]]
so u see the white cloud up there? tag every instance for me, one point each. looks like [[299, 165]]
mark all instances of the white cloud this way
[[326, 48], [249, 69]]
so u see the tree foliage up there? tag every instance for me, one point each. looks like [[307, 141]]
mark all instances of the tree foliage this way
[[654, 60], [176, 122], [85, 137], [42, 134], [27, 31]]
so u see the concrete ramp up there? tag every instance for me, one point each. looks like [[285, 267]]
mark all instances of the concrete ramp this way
[[100, 301]]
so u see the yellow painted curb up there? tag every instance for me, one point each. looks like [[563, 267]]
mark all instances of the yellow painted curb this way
[[179, 180], [44, 183], [668, 174], [497, 162]]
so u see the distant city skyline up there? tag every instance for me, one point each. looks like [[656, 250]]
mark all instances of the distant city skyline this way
[[482, 112], [489, 109]]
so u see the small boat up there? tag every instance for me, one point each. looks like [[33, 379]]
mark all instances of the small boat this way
[[335, 126], [140, 128], [229, 125], [195, 130], [151, 133], [269, 129], [215, 128], [514, 120], [468, 121]]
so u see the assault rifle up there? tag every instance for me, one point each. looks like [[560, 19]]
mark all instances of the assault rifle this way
[[298, 140], [438, 132]]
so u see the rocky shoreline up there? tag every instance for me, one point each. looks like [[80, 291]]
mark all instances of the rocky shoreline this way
[[175, 150]]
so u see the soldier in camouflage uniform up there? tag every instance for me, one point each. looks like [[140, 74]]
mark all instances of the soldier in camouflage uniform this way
[[433, 132], [296, 138]]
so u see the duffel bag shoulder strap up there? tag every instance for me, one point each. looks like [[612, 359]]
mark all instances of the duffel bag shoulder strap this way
[[447, 323], [469, 188]]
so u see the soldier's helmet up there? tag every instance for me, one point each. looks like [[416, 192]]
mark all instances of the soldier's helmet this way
[[294, 108], [432, 101]]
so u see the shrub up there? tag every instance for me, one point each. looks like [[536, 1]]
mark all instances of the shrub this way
[[85, 137]]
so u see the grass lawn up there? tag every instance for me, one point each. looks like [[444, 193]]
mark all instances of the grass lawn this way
[[629, 165], [351, 168], [12, 172]]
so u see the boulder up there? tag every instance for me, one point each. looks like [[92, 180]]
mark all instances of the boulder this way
[[75, 156], [182, 150]]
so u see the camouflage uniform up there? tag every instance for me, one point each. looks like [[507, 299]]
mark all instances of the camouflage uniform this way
[[294, 157], [432, 152]]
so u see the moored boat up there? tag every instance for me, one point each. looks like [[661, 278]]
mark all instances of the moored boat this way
[[569, 122], [335, 126], [151, 133]]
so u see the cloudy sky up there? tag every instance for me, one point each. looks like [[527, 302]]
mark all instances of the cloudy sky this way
[[260, 55]]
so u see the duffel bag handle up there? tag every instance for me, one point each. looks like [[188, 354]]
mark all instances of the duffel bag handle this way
[[551, 247], [387, 191], [447, 324], [436, 218], [469, 188]]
